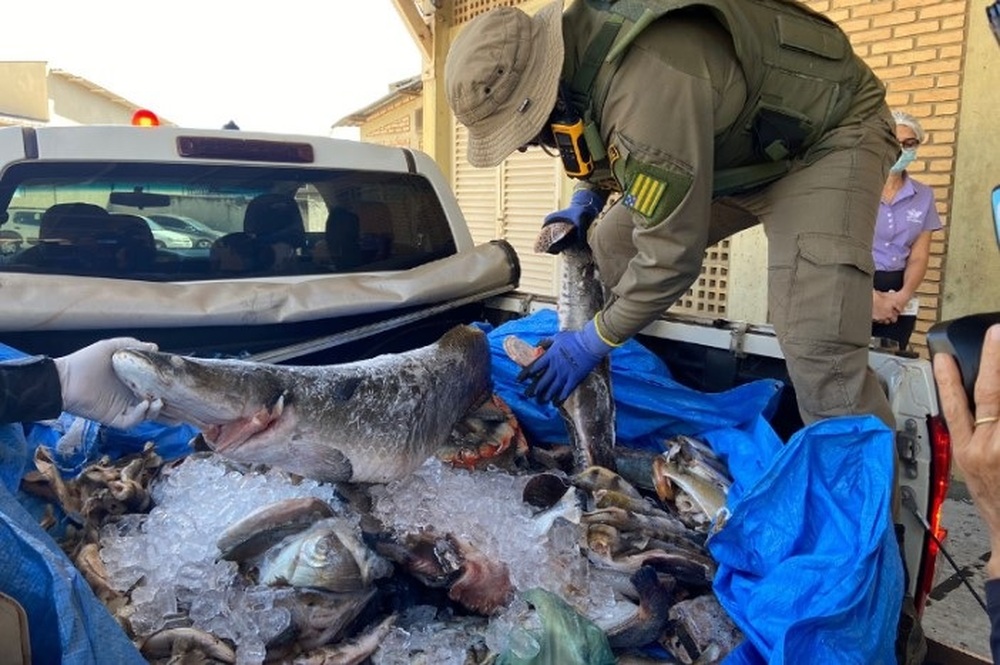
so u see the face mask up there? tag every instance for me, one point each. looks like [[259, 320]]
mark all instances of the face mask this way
[[906, 157]]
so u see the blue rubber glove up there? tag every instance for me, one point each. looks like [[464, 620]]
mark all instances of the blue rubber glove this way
[[584, 207], [570, 356]]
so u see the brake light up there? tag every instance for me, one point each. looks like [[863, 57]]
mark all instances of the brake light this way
[[145, 118], [940, 477], [256, 150]]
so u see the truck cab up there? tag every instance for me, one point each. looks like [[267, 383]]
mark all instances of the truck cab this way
[[310, 237]]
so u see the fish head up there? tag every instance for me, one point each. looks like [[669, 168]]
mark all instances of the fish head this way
[[671, 478], [203, 392], [328, 555], [557, 236]]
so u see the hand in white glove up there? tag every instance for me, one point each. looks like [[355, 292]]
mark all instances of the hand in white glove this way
[[91, 389]]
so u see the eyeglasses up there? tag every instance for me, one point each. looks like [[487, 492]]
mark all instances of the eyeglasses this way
[[909, 144]]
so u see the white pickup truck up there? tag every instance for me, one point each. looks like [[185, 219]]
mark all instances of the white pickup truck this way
[[329, 250]]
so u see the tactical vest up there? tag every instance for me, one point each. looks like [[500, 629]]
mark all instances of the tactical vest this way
[[800, 69]]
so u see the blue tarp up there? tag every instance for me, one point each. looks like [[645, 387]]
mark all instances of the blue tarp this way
[[66, 622], [649, 405], [809, 568]]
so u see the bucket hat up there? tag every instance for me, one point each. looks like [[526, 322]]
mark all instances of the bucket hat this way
[[501, 78]]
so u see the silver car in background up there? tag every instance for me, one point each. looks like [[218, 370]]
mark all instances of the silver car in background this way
[[200, 233], [165, 238]]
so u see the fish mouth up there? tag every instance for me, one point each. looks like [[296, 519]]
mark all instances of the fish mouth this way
[[226, 418], [226, 436]]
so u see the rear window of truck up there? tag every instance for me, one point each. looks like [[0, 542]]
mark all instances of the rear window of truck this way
[[184, 222]]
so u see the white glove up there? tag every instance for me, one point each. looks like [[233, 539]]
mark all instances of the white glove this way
[[91, 389]]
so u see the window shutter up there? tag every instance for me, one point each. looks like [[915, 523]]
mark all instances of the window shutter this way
[[510, 202]]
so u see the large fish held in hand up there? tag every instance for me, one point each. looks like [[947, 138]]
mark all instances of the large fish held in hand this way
[[373, 420], [589, 411]]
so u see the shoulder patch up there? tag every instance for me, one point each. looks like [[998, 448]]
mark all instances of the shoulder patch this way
[[653, 192], [644, 194]]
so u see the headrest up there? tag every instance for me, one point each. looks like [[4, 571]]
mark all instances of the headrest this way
[[10, 241], [275, 218], [373, 216], [237, 253], [132, 229], [342, 224], [73, 223]]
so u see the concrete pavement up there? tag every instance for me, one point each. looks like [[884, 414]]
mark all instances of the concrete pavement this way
[[952, 615]]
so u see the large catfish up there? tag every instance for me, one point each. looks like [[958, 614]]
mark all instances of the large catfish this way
[[368, 421], [589, 411]]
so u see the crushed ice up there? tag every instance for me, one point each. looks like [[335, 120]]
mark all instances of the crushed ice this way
[[169, 555], [168, 558]]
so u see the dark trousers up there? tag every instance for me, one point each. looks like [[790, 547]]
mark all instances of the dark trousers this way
[[901, 330]]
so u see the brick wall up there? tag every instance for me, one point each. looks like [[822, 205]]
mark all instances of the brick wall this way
[[396, 133], [916, 47], [393, 125]]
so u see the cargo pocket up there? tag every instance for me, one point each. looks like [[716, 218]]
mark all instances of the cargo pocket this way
[[830, 291]]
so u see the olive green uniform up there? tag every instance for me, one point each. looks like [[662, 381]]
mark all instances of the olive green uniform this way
[[671, 118]]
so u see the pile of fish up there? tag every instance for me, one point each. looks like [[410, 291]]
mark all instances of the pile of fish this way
[[349, 579]]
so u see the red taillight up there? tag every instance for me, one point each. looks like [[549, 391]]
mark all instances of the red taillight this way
[[145, 118], [940, 477]]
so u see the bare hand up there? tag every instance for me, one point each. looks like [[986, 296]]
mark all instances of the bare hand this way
[[898, 301], [883, 308], [976, 447]]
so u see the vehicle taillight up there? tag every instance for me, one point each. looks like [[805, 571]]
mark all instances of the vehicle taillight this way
[[145, 118], [940, 477]]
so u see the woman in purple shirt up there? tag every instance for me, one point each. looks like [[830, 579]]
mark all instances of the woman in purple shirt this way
[[902, 244]]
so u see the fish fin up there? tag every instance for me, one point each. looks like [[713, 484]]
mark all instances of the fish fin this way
[[337, 466], [521, 352], [650, 618], [483, 585]]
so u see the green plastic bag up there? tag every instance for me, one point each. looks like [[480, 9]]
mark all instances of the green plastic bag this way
[[564, 638]]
